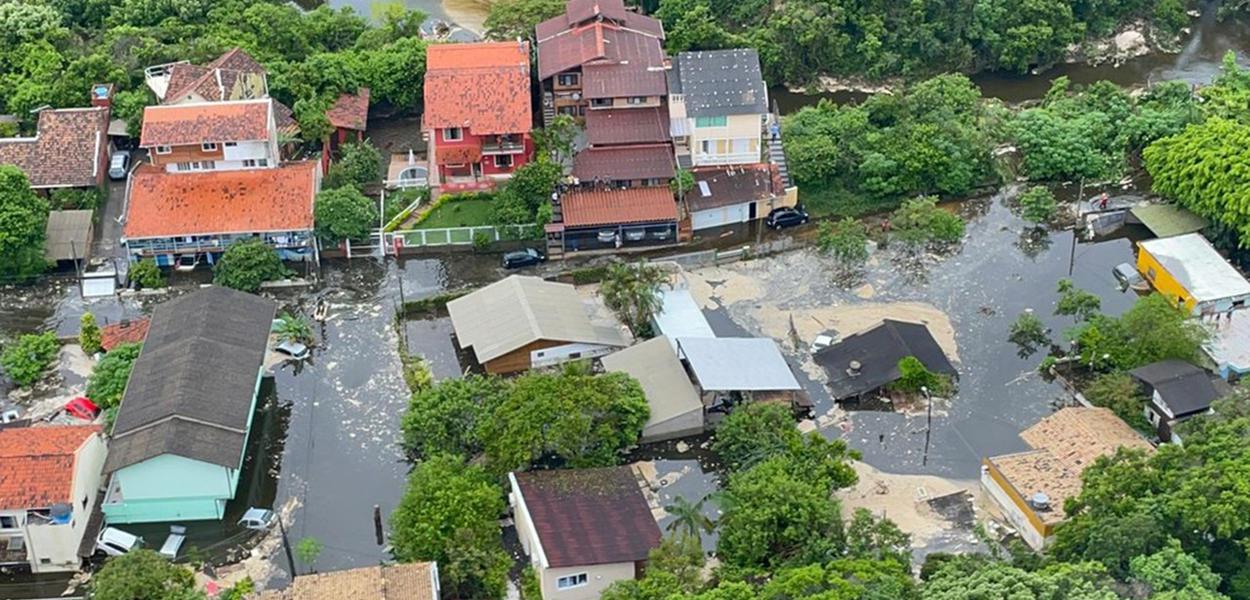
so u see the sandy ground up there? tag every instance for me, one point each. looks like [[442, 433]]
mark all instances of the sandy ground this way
[[69, 381], [469, 14], [901, 498]]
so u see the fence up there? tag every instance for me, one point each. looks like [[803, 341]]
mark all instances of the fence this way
[[719, 257], [457, 236]]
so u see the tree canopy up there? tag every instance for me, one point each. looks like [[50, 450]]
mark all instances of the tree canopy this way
[[344, 213], [246, 264], [23, 225], [142, 574]]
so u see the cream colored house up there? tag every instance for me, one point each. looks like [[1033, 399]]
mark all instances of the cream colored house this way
[[717, 105], [583, 529]]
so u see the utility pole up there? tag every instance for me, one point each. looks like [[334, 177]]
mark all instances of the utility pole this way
[[1080, 197], [924, 461], [286, 545]]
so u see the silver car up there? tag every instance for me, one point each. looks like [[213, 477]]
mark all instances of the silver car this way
[[119, 165]]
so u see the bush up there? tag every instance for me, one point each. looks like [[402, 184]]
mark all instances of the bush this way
[[107, 382], [359, 164], [1038, 205], [88, 334], [142, 574], [248, 263], [921, 223], [846, 241], [344, 213], [914, 378], [293, 328], [146, 274], [417, 373], [25, 361], [75, 199], [482, 241], [1118, 392]]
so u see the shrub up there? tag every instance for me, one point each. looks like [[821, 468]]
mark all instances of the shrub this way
[[246, 264], [107, 382], [344, 213], [481, 241], [146, 274], [1038, 205], [913, 377], [74, 199], [88, 334], [922, 223], [25, 361], [293, 328], [358, 165]]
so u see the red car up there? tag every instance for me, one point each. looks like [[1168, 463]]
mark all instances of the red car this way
[[82, 408]]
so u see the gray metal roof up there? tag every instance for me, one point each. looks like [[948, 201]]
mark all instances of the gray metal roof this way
[[658, 370], [192, 388], [737, 364], [519, 310], [1167, 220], [1196, 265], [719, 83], [680, 317], [68, 235]]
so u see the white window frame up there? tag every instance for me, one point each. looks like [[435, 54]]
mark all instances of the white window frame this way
[[164, 149], [209, 146], [637, 100], [572, 581], [17, 523], [447, 134], [507, 157], [571, 76]]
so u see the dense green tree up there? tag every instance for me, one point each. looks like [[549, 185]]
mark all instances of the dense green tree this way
[[248, 263], [1029, 333], [1203, 170], [344, 214], [914, 378], [688, 518], [674, 567], [1118, 392], [395, 73], [146, 274], [512, 19], [1075, 302], [920, 222], [143, 574], [975, 578], [555, 140], [1037, 205], [23, 224], [88, 334], [1173, 574], [26, 360], [450, 513], [753, 432], [359, 164], [846, 241], [632, 291], [1152, 330], [107, 382], [446, 418]]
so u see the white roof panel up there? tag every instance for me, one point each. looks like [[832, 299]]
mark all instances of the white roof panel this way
[[737, 364], [1196, 265], [679, 316]]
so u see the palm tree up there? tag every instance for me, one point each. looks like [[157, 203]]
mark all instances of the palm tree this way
[[689, 517], [632, 291]]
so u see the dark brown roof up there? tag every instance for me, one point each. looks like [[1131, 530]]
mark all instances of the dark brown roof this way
[[577, 11], [69, 149], [577, 15], [183, 124], [623, 163], [726, 186], [350, 111], [633, 77], [599, 41], [612, 126], [589, 516], [212, 81], [588, 208]]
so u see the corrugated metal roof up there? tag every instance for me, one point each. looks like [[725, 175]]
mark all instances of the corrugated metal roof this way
[[658, 370], [519, 310], [1196, 265], [719, 83], [68, 235], [625, 163], [737, 364], [1167, 220], [680, 317]]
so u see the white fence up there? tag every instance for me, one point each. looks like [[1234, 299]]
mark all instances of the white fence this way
[[456, 236]]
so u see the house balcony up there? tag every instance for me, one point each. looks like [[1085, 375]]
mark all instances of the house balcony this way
[[502, 146]]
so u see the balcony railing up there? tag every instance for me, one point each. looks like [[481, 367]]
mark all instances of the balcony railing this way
[[503, 147]]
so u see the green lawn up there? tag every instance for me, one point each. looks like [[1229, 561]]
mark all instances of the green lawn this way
[[459, 213]]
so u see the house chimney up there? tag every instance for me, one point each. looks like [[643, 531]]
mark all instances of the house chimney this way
[[854, 369], [102, 95]]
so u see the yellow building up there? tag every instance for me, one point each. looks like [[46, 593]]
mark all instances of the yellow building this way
[[1190, 272]]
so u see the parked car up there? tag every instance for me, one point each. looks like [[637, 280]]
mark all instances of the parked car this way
[[786, 217], [293, 349], [662, 234], [115, 542], [82, 408], [606, 236], [1128, 277], [635, 235], [523, 258], [258, 519], [119, 165], [187, 262], [173, 543]]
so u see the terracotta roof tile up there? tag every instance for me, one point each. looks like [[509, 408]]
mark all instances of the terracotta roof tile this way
[[578, 12], [617, 207], [67, 151], [213, 202], [458, 155], [589, 516], [484, 87], [350, 111], [409, 581], [627, 126], [182, 124], [653, 161], [569, 47], [212, 80], [37, 464], [124, 332]]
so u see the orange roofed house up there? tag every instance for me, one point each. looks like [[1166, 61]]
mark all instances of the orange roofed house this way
[[48, 492], [214, 176], [477, 113]]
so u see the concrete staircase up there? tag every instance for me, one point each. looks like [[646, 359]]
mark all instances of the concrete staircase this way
[[549, 109], [777, 156]]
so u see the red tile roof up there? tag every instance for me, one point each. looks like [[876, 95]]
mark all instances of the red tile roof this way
[[212, 80], [37, 464], [623, 163], [627, 126], [589, 516], [598, 41], [350, 111], [579, 11], [618, 207], [484, 87], [67, 151], [458, 155], [125, 332], [183, 124], [165, 204], [637, 71]]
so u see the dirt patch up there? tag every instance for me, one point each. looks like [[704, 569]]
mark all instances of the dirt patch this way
[[904, 500], [847, 319]]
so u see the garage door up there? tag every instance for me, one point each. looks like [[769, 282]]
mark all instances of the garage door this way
[[716, 217]]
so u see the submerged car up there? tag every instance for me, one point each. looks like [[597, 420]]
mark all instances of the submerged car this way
[[258, 519], [523, 258], [293, 349], [1128, 277], [786, 217], [115, 542]]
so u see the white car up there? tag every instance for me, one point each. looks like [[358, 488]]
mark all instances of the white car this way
[[115, 542], [258, 519]]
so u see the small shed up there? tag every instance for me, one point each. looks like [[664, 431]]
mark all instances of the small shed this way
[[732, 370], [1178, 391], [867, 361], [676, 410], [68, 236], [1188, 270]]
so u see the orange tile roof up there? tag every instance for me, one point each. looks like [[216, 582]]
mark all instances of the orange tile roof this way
[[217, 202], [182, 124], [618, 207], [484, 87], [125, 332], [458, 155], [37, 464], [350, 111]]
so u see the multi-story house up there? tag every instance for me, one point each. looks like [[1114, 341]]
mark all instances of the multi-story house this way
[[717, 104], [213, 177], [477, 113], [47, 495]]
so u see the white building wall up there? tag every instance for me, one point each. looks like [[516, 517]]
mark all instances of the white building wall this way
[[725, 215], [737, 143], [560, 354], [598, 578], [54, 548], [1018, 519]]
